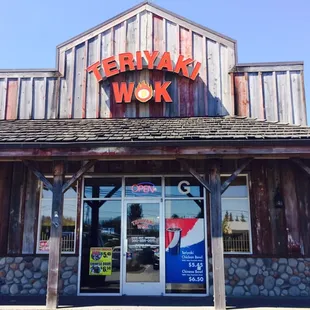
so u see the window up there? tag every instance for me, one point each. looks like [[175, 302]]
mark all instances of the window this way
[[236, 221], [101, 220], [185, 236], [68, 222]]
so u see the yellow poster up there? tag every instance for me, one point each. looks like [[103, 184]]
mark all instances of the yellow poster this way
[[100, 262]]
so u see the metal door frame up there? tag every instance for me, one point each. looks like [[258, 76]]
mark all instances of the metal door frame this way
[[135, 285]]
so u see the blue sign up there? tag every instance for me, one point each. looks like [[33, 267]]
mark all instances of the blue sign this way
[[185, 251]]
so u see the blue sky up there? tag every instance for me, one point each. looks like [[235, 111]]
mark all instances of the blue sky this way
[[266, 30]]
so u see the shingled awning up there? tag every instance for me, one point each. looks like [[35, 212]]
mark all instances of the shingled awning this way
[[71, 131]]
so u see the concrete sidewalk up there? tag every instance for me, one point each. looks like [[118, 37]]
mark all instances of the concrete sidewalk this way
[[148, 303]]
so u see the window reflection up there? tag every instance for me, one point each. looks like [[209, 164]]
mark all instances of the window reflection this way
[[186, 187], [101, 228], [236, 216], [68, 220], [102, 188]]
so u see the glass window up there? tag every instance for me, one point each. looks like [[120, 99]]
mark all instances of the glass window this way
[[185, 187], [102, 188], [143, 187], [101, 230], [236, 217], [185, 246], [68, 221]]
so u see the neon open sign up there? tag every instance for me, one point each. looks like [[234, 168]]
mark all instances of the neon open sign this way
[[143, 188], [123, 92]]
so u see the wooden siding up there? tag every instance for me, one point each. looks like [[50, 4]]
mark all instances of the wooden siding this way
[[79, 95], [210, 94], [5, 194], [266, 91], [28, 95], [275, 93], [277, 232]]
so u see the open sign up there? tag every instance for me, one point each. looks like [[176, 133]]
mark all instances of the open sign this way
[[143, 188]]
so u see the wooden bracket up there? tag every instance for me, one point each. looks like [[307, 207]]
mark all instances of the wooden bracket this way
[[301, 164], [195, 174], [40, 176], [226, 184], [78, 174]]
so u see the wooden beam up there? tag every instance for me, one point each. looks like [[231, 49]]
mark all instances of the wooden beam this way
[[39, 175], [226, 184], [301, 164], [149, 152], [217, 239], [78, 174], [195, 174], [55, 237]]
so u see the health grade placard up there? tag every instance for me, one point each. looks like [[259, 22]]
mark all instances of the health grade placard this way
[[185, 251], [100, 262]]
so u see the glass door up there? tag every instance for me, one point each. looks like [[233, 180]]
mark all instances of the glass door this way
[[142, 248]]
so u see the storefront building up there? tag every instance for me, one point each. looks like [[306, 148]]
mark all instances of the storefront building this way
[[151, 162]]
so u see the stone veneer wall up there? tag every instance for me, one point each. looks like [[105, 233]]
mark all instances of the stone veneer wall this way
[[265, 277], [28, 275], [243, 276]]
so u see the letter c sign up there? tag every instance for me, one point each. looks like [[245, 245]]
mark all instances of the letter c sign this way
[[183, 187]]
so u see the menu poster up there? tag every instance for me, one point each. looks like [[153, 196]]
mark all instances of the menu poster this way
[[185, 251], [100, 262]]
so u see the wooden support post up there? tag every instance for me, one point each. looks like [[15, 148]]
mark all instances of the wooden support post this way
[[217, 239], [55, 237]]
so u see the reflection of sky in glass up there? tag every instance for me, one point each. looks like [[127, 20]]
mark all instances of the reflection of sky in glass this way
[[173, 189], [68, 211], [149, 211], [108, 187], [134, 181], [238, 188], [108, 211], [237, 207], [183, 208]]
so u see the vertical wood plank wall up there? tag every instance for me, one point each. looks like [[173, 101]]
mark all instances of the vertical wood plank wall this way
[[81, 96], [275, 93], [272, 92]]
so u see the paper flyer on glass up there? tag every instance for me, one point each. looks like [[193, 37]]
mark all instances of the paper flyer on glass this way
[[185, 251], [100, 262]]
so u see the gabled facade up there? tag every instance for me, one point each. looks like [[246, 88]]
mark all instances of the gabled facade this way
[[147, 156], [223, 87]]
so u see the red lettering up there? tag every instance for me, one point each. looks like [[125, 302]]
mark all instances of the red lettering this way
[[182, 65], [95, 68], [122, 93], [165, 62], [109, 66], [139, 60], [195, 71], [151, 58], [161, 91], [126, 59]]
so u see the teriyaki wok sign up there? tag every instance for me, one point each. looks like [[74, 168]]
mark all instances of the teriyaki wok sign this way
[[124, 91]]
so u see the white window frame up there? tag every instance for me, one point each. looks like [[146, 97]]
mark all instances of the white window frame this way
[[249, 208], [124, 198], [39, 221]]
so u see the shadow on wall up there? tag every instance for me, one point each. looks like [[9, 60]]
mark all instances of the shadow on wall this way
[[189, 98]]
